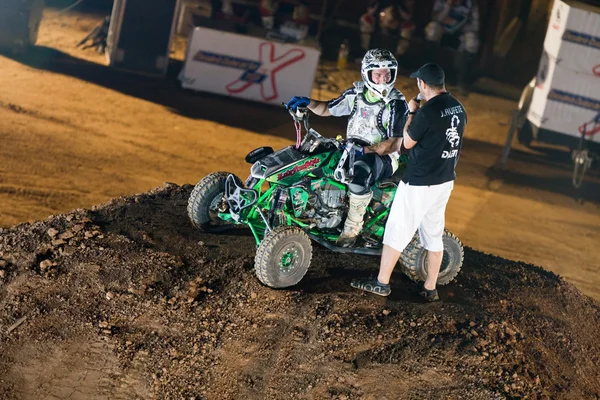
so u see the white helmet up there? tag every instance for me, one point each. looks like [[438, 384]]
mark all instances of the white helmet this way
[[377, 59]]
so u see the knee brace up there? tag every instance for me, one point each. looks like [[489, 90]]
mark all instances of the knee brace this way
[[361, 182]]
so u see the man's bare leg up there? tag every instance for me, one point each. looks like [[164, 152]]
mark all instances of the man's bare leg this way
[[389, 259], [434, 262]]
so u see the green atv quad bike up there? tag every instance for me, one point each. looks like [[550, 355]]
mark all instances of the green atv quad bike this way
[[299, 194]]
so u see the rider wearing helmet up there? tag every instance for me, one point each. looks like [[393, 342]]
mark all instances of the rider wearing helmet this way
[[376, 113]]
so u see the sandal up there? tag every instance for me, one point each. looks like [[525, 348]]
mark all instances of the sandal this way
[[372, 285], [429, 295]]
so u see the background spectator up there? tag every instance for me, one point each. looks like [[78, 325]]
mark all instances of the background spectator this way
[[456, 23], [396, 20], [367, 25]]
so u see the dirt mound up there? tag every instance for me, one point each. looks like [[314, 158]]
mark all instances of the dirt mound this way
[[127, 300]]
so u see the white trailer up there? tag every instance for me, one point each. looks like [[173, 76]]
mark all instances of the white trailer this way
[[561, 105]]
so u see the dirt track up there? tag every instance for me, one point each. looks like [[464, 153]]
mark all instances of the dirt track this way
[[136, 304], [75, 133], [128, 301]]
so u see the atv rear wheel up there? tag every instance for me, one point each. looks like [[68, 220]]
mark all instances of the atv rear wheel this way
[[414, 259], [283, 257], [205, 200]]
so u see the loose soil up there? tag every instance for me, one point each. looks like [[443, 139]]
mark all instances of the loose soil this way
[[127, 300]]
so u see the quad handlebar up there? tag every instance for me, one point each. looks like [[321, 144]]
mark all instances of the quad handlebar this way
[[312, 139]]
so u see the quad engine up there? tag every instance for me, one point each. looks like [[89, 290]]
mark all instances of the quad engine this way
[[318, 203]]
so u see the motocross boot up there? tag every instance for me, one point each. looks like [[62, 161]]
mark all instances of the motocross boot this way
[[354, 220]]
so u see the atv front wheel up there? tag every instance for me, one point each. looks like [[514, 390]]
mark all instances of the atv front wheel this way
[[205, 200], [414, 259], [283, 257]]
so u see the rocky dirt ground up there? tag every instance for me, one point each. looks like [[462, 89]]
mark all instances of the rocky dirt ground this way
[[126, 300]]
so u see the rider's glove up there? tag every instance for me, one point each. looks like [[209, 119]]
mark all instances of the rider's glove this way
[[297, 101]]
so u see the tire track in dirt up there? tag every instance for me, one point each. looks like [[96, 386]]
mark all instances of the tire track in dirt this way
[[153, 149], [276, 362], [45, 197], [254, 365], [80, 369], [38, 115]]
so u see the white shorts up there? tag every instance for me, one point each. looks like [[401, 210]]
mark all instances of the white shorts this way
[[418, 207]]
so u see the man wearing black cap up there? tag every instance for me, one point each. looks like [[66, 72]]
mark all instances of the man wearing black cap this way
[[433, 132]]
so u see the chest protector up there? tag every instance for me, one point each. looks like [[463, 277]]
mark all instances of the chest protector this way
[[369, 121]]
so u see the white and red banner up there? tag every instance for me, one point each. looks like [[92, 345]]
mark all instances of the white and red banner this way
[[566, 98], [248, 67], [573, 35], [566, 101]]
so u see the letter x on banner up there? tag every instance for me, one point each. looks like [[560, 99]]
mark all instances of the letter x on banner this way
[[265, 75], [592, 127]]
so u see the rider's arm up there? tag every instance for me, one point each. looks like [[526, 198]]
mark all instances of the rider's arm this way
[[319, 107], [389, 146], [338, 107], [396, 123], [412, 134]]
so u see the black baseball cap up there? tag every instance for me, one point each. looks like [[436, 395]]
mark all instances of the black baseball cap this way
[[431, 74]]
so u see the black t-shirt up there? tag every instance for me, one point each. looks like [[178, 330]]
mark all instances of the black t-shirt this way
[[438, 128]]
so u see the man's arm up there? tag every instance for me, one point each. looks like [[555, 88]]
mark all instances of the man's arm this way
[[413, 107], [409, 143], [320, 108]]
